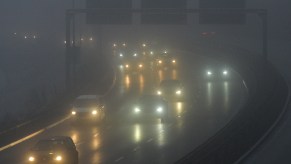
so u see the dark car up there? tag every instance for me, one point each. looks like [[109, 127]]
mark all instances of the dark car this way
[[150, 106], [171, 89], [166, 61], [59, 149]]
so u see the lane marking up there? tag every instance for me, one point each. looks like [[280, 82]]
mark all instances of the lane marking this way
[[32, 134], [149, 140], [79, 143], [119, 159], [136, 149]]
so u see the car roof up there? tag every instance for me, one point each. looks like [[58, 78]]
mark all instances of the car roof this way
[[170, 81], [150, 97], [58, 138], [89, 97]]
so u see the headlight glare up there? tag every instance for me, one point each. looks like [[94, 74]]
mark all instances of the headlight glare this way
[[31, 159], [58, 158], [178, 92], [159, 92], [74, 113], [159, 109], [136, 110], [94, 112]]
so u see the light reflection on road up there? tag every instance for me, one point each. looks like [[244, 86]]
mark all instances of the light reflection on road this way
[[161, 134], [226, 95], [209, 93], [137, 135], [141, 83]]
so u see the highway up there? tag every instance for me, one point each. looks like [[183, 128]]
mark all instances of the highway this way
[[209, 105]]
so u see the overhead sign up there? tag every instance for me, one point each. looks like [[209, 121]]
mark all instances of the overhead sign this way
[[164, 17], [109, 18], [222, 15]]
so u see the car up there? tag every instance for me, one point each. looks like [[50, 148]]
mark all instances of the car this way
[[88, 108], [133, 67], [171, 89], [217, 74], [57, 149], [166, 61], [150, 106]]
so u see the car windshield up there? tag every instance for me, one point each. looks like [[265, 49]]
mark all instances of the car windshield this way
[[170, 84], [46, 145], [84, 103]]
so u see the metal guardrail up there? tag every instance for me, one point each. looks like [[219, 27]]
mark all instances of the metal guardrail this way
[[248, 125]]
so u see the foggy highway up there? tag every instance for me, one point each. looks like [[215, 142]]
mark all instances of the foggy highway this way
[[209, 105]]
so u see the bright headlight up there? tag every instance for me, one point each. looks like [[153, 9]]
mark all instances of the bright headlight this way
[[159, 92], [209, 73], [136, 110], [178, 92], [159, 109], [94, 112], [73, 112], [140, 66], [160, 61], [173, 61], [225, 72], [126, 65], [31, 159], [58, 158]]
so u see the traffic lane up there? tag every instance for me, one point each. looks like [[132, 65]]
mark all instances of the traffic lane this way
[[60, 131], [120, 143], [197, 123], [123, 141]]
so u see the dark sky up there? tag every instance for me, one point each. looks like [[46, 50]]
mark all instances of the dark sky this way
[[39, 16]]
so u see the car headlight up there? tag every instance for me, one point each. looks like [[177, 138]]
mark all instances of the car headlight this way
[[94, 112], [160, 61], [159, 109], [225, 72], [209, 73], [58, 158], [173, 61], [140, 66], [126, 66], [74, 113], [159, 92], [136, 110], [31, 159], [178, 92]]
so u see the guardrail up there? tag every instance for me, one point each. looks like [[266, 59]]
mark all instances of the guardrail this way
[[268, 95]]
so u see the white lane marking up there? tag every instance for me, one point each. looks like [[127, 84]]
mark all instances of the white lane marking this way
[[119, 159], [79, 143], [32, 135], [136, 149], [149, 140]]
